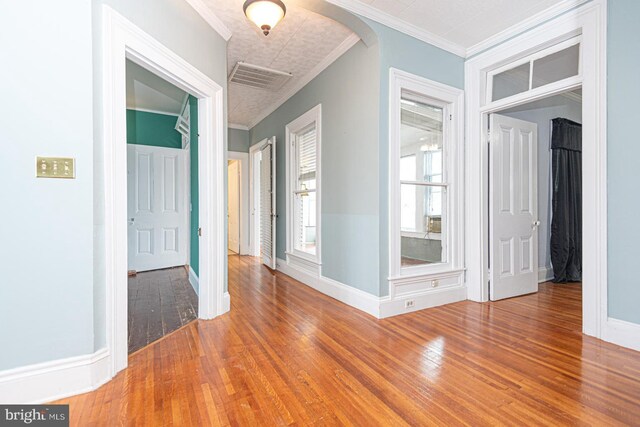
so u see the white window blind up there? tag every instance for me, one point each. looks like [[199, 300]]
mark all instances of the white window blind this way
[[306, 153]]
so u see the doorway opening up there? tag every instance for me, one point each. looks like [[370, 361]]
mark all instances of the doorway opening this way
[[123, 41], [162, 232], [535, 196], [233, 207]]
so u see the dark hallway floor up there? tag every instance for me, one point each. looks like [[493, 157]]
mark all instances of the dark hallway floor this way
[[160, 302]]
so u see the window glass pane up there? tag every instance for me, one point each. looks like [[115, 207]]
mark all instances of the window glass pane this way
[[420, 132], [306, 153], [305, 222], [557, 66], [421, 213], [511, 82]]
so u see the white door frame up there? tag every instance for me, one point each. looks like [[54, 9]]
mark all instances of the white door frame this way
[[254, 175], [123, 40], [243, 158], [590, 20]]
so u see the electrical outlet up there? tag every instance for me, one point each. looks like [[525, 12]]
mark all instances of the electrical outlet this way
[[410, 303]]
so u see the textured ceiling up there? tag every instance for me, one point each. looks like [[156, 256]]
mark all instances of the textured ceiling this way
[[463, 22], [146, 91], [296, 45]]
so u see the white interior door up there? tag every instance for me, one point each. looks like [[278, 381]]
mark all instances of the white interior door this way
[[233, 208], [157, 207], [268, 204], [514, 207]]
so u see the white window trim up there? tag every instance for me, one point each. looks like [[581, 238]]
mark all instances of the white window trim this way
[[452, 99], [311, 116]]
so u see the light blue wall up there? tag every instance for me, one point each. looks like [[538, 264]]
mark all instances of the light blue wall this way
[[398, 50], [180, 28], [348, 92], [46, 229], [238, 140], [623, 154], [542, 116]]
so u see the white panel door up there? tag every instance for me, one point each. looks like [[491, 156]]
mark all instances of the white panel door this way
[[157, 207], [514, 207], [268, 204], [233, 208]]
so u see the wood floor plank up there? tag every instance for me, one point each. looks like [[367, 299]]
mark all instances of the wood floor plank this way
[[287, 355]]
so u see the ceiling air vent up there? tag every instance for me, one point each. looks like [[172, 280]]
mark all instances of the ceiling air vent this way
[[258, 77]]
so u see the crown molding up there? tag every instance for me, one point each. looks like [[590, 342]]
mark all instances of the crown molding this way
[[347, 44], [207, 14], [523, 26], [237, 126], [390, 21]]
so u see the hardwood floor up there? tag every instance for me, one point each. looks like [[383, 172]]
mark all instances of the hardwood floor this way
[[160, 302], [286, 354]]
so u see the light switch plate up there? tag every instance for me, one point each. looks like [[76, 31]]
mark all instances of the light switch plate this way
[[56, 167]]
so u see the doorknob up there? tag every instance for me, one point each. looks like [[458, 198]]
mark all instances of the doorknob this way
[[131, 221], [535, 224]]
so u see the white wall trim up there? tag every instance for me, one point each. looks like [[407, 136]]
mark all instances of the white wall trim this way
[[390, 21], [123, 40], [347, 44], [356, 298], [193, 280], [243, 158], [625, 334], [254, 194], [211, 18], [590, 20], [226, 302], [237, 126], [57, 379], [545, 274], [523, 26]]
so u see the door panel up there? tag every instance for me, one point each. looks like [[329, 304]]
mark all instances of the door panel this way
[[514, 207], [233, 208], [268, 204], [157, 208]]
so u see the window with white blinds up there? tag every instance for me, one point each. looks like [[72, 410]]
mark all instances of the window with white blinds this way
[[303, 135]]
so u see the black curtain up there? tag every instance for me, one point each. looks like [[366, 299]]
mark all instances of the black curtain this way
[[566, 221]]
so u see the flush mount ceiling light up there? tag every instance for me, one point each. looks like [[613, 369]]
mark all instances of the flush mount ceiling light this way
[[264, 13]]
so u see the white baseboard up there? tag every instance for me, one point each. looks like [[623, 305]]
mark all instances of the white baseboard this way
[[356, 298], [193, 279], [395, 306], [57, 379], [226, 302], [545, 274], [622, 333]]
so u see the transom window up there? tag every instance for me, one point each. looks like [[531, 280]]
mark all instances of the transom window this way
[[548, 66]]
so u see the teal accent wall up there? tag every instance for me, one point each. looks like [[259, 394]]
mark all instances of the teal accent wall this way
[[154, 129], [194, 252], [350, 191], [398, 50], [623, 154], [238, 140]]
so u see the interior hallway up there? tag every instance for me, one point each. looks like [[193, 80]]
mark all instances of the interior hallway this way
[[287, 354]]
